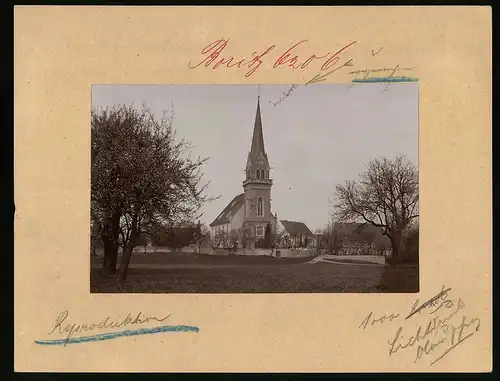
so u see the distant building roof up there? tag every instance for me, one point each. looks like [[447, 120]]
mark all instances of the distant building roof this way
[[295, 228], [363, 231], [231, 208]]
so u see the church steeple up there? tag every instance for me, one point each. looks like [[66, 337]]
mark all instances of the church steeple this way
[[257, 184], [257, 156], [257, 163], [258, 137]]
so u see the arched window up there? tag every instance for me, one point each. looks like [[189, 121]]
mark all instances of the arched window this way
[[264, 174], [258, 173], [260, 207]]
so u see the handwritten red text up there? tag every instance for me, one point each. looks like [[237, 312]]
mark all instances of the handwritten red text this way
[[213, 57]]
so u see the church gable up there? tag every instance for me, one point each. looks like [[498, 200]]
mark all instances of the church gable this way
[[230, 210], [295, 228]]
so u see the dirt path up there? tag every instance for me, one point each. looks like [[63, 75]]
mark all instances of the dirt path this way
[[346, 263]]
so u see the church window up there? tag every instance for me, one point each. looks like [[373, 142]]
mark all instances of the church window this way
[[258, 173], [259, 231], [260, 207]]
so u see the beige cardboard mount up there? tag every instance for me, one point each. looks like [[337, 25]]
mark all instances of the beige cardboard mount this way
[[61, 51]]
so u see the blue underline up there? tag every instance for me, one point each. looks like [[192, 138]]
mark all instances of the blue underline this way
[[114, 335], [386, 79]]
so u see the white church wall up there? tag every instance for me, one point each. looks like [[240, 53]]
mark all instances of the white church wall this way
[[280, 229], [237, 220]]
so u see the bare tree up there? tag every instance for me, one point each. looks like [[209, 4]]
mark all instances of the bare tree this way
[[411, 240], [279, 237], [386, 196], [286, 240], [232, 240], [201, 234], [220, 239], [243, 235], [269, 237], [332, 239], [95, 237]]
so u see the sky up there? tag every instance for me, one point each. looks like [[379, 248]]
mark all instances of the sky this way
[[316, 137]]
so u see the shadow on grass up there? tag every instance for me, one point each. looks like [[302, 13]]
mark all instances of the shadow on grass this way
[[293, 278], [205, 259], [402, 278]]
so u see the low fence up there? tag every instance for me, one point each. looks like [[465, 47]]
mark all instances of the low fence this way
[[282, 253], [158, 249]]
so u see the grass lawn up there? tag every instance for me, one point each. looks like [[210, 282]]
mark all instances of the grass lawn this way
[[204, 259], [256, 275]]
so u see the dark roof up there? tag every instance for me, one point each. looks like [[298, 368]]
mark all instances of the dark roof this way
[[364, 231], [231, 208], [294, 227]]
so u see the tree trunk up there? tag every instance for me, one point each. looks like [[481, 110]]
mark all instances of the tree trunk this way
[[127, 254], [110, 256], [396, 237], [128, 248], [110, 240]]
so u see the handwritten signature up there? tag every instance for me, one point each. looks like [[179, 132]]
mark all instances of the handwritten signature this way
[[446, 327], [212, 57], [62, 327], [368, 77], [285, 95]]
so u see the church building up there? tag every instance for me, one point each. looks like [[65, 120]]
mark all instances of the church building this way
[[251, 210], [249, 213]]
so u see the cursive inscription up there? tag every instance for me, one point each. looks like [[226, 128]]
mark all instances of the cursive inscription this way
[[286, 94], [62, 326], [445, 326], [217, 55], [438, 300], [214, 56], [366, 74], [322, 77], [438, 332], [371, 320]]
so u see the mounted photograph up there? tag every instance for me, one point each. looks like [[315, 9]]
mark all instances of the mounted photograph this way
[[254, 188]]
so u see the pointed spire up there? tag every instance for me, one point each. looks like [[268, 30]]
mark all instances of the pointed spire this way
[[258, 136]]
